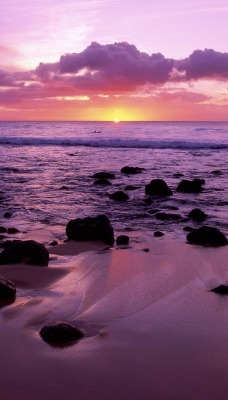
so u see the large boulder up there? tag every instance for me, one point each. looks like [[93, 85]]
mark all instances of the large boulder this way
[[60, 333], [131, 170], [158, 187], [91, 228], [207, 236], [28, 251], [119, 196], [187, 186]]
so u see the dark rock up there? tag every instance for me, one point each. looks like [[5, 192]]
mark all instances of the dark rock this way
[[131, 170], [7, 289], [3, 229], [188, 229], [12, 231], [216, 172], [64, 187], [187, 186], [102, 181], [167, 216], [158, 234], [197, 215], [222, 289], [60, 333], [119, 196], [122, 239], [146, 250], [2, 237], [148, 201], [103, 174], [28, 251], [207, 235], [8, 214], [8, 243], [178, 175], [91, 228], [158, 187], [131, 187], [199, 181], [53, 243]]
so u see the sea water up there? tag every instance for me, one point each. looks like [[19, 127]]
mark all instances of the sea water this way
[[46, 173]]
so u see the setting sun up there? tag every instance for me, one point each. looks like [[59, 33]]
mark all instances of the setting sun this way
[[116, 120]]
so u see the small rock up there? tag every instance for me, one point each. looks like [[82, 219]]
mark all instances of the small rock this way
[[146, 250], [187, 186], [12, 231], [178, 175], [103, 174], [207, 236], [122, 239], [8, 214], [222, 289], [131, 187], [60, 333], [53, 243], [119, 196], [197, 215], [131, 170], [3, 229], [158, 234], [7, 289], [158, 187], [216, 172], [102, 181], [188, 229]]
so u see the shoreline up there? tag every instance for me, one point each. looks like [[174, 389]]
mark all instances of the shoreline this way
[[153, 328]]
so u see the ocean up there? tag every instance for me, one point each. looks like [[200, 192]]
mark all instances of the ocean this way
[[47, 167]]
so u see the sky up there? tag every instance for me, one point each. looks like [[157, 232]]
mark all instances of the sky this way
[[110, 59]]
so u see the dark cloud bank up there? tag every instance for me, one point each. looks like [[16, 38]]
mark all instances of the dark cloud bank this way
[[120, 67]]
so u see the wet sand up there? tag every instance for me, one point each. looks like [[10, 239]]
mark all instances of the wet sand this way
[[153, 328]]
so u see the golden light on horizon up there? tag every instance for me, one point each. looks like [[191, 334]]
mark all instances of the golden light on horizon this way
[[116, 120]]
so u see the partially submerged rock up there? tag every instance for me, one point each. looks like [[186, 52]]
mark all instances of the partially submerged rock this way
[[131, 170], [27, 251], [197, 215], [104, 174], [102, 181], [91, 228], [187, 186], [122, 239], [158, 187], [12, 231], [60, 333], [158, 234], [207, 236], [7, 289], [119, 196]]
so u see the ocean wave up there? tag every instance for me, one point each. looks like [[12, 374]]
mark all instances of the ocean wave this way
[[112, 143]]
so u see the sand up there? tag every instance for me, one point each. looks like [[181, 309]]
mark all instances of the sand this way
[[153, 328]]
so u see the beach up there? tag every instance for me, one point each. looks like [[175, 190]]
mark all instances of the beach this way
[[152, 327]]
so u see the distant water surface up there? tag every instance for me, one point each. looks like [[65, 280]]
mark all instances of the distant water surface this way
[[46, 172]]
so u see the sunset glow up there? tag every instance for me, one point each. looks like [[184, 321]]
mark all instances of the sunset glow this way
[[70, 61]]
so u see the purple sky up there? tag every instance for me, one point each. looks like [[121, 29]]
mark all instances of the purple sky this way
[[158, 68]]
